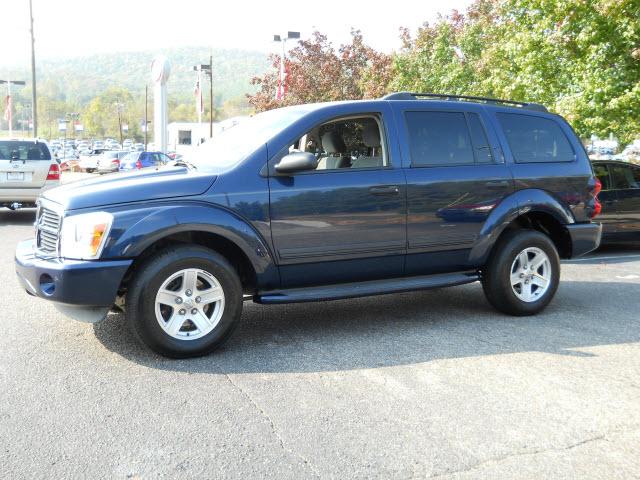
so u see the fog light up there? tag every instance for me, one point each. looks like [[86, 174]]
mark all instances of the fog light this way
[[46, 284]]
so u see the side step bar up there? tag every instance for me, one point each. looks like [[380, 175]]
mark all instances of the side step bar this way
[[364, 289]]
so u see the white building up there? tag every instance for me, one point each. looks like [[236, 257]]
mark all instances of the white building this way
[[184, 135]]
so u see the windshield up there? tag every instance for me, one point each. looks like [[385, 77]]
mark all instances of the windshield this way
[[235, 144]]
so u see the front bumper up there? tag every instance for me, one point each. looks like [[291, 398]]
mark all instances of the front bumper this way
[[72, 282], [585, 237]]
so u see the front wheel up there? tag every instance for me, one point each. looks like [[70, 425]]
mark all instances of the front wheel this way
[[523, 273], [184, 302]]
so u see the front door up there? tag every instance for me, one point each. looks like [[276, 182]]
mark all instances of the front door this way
[[345, 220], [608, 198], [625, 180]]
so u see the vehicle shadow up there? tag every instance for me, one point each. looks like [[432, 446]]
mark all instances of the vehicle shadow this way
[[402, 329], [24, 216]]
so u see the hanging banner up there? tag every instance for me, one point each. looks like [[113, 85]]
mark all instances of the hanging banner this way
[[62, 126]]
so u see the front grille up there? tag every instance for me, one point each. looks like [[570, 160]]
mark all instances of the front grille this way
[[48, 231]]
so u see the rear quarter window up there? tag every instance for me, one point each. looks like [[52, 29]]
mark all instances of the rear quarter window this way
[[535, 139]]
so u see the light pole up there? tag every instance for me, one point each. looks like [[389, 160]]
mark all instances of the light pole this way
[[119, 106], [10, 101], [283, 40], [33, 74]]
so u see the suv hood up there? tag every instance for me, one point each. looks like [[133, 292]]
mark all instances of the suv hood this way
[[150, 184]]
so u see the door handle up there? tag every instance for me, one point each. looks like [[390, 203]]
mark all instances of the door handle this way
[[385, 190], [497, 184]]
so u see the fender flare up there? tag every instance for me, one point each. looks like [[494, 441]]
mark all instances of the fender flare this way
[[146, 226], [517, 204]]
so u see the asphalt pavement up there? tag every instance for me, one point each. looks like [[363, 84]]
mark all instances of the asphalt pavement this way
[[414, 385]]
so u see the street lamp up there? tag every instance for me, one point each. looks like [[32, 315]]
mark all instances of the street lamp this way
[[283, 40]]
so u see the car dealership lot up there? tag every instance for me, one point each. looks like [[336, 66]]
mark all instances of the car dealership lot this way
[[422, 384]]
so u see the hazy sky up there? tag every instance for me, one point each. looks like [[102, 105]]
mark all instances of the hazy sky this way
[[82, 27]]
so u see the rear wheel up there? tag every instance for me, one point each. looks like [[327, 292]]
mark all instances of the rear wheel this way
[[523, 273], [184, 302]]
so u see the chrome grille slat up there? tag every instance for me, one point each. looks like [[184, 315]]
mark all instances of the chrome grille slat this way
[[48, 231]]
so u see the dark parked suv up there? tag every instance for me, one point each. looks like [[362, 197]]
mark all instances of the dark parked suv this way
[[321, 202]]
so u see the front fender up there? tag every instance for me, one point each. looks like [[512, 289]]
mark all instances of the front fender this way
[[510, 208], [135, 230]]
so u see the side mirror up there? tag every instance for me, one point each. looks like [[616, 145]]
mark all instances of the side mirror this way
[[297, 162]]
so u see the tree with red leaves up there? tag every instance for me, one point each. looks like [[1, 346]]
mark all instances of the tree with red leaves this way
[[317, 72]]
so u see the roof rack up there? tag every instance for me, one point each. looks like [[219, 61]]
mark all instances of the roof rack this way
[[416, 96]]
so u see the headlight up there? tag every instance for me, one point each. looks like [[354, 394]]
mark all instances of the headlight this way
[[83, 236]]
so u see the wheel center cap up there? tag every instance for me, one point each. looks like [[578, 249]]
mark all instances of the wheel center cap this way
[[188, 302]]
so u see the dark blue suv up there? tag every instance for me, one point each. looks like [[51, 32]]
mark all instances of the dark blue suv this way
[[321, 202]]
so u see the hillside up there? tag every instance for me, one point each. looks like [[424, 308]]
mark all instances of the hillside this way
[[80, 79]]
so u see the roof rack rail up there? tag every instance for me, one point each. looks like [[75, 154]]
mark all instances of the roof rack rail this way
[[416, 96]]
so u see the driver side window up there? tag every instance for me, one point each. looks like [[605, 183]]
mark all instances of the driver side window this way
[[349, 143]]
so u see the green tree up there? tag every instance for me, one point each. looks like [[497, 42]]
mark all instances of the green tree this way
[[580, 58]]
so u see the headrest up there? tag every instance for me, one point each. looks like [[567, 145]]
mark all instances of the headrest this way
[[371, 135], [332, 142]]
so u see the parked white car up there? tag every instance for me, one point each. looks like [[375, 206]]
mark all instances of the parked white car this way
[[89, 161], [27, 168]]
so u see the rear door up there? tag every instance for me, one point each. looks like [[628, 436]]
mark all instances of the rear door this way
[[23, 164], [456, 176]]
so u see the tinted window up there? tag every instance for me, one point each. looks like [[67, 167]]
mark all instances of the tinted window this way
[[625, 177], [17, 150], [439, 138], [602, 172], [535, 139], [479, 137]]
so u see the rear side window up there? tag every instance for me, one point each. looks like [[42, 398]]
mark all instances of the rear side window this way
[[439, 138], [17, 150], [535, 139]]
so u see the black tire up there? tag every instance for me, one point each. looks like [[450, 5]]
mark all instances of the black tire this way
[[496, 276], [143, 287]]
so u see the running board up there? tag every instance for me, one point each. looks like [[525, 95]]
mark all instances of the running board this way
[[364, 289]]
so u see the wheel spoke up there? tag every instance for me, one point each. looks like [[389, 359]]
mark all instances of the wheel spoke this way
[[523, 258], [537, 262], [200, 320], [540, 281], [190, 280], [167, 297], [515, 278], [211, 295], [526, 291], [175, 323]]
